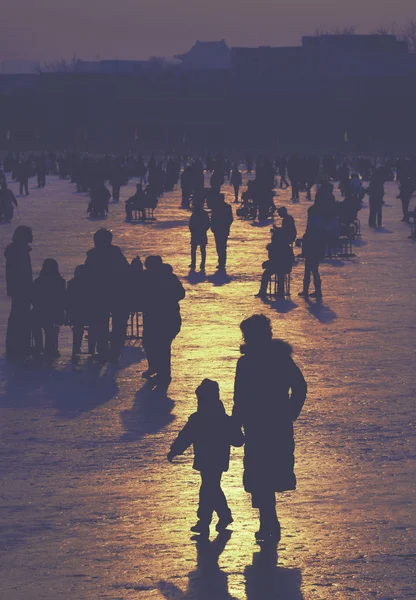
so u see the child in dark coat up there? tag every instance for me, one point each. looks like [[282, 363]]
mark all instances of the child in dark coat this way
[[78, 309], [48, 313], [212, 432]]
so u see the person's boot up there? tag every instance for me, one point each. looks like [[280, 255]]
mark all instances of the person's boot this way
[[223, 523], [201, 527]]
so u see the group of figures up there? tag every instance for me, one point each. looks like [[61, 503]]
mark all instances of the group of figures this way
[[106, 287], [270, 390]]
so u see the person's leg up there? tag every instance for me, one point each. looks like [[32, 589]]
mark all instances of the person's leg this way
[[21, 188], [269, 524], [18, 329], [207, 493], [379, 215], [280, 285], [372, 216], [265, 278], [118, 333], [51, 340], [220, 502], [306, 277], [102, 336], [317, 279], [77, 335], [193, 256], [37, 338], [203, 257], [27, 187]]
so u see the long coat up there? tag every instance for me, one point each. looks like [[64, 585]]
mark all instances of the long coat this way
[[269, 394], [19, 277]]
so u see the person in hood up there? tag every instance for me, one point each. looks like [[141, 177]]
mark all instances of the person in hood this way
[[211, 432], [269, 393], [19, 280], [162, 292], [48, 299], [78, 307]]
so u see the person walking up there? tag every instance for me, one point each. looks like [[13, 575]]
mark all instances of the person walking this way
[[211, 432], [19, 280], [269, 393], [162, 292], [199, 224], [221, 220]]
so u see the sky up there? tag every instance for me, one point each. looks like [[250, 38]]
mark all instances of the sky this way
[[137, 29]]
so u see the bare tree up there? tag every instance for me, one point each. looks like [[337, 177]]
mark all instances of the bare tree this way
[[405, 33], [350, 30], [58, 66]]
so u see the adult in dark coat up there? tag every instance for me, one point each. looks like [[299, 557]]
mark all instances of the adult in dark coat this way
[[108, 273], [221, 220], [19, 280], [162, 292], [269, 394], [48, 299], [199, 224], [375, 193]]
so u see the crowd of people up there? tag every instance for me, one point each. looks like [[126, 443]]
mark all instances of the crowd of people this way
[[106, 289]]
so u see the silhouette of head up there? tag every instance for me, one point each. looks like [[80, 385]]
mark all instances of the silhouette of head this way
[[256, 330], [23, 235], [153, 263], [208, 393], [103, 238], [137, 264], [282, 212], [49, 268]]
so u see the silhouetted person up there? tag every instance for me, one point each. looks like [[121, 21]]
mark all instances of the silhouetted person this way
[[136, 202], [221, 220], [136, 285], [19, 281], [288, 225], [280, 262], [236, 181], [48, 313], [78, 307], [375, 193], [320, 216], [406, 190], [41, 171], [212, 432], [7, 203], [162, 292], [199, 224], [269, 394], [108, 274], [23, 177], [100, 197]]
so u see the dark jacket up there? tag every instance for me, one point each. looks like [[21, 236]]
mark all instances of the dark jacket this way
[[108, 277], [162, 292], [269, 394], [78, 302], [212, 432], [221, 219], [199, 224], [48, 299], [19, 276]]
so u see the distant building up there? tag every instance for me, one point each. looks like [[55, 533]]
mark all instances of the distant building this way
[[206, 55], [266, 61], [356, 56]]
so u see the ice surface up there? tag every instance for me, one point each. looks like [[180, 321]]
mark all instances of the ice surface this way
[[91, 509]]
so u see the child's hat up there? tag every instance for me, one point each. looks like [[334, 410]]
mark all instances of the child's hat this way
[[208, 387]]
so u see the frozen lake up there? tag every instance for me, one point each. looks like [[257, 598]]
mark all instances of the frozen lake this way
[[90, 508]]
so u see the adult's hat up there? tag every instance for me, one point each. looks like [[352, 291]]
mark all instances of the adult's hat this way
[[208, 387]]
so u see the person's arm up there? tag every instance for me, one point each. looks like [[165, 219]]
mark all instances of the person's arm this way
[[298, 388], [184, 440], [240, 389]]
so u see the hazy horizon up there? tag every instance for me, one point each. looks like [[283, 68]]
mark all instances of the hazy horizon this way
[[136, 29]]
